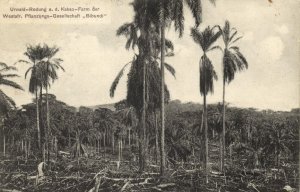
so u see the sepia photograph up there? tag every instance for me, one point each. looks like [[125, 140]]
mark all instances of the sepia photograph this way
[[149, 95]]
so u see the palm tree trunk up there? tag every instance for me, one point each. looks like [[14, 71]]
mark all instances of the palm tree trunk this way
[[202, 140], [4, 143], [104, 144], [22, 145], [41, 123], [69, 137], [113, 142], [121, 147], [142, 135], [206, 138], [223, 130], [129, 139], [119, 150], [163, 155], [220, 151], [44, 152], [48, 124], [55, 147], [29, 146], [26, 150], [156, 139], [38, 118]]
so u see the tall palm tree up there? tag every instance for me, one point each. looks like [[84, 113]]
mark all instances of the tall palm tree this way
[[49, 66], [38, 56], [233, 61], [205, 40], [35, 55], [143, 72], [172, 11]]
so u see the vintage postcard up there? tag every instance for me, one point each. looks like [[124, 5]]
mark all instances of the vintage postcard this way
[[149, 95]]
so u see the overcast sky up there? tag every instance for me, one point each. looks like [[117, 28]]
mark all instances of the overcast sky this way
[[93, 56]]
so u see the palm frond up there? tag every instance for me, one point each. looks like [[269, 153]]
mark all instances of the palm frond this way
[[6, 102], [116, 80], [196, 9], [216, 47], [8, 68], [236, 40], [197, 36], [170, 69], [207, 76], [9, 75], [10, 84], [22, 61], [232, 36], [243, 59], [124, 29], [178, 17], [28, 70]]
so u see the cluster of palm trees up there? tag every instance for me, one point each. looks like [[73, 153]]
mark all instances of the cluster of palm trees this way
[[43, 69], [147, 32], [232, 61], [146, 89]]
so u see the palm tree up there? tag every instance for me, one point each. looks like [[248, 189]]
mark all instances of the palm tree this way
[[144, 72], [172, 11], [6, 102], [205, 40], [48, 66], [233, 61], [37, 55]]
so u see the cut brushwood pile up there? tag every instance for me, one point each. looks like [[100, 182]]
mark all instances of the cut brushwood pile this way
[[96, 175]]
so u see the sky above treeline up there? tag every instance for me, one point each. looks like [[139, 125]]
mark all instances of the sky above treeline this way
[[93, 56]]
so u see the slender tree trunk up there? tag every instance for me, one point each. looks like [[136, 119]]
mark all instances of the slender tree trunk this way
[[113, 143], [230, 153], [140, 146], [96, 146], [224, 128], [4, 143], [142, 132], [55, 147], [44, 152], [69, 137], [41, 124], [206, 137], [38, 118], [144, 118], [163, 155], [121, 147], [22, 146], [136, 139], [48, 124], [26, 150], [77, 147], [202, 140], [156, 139], [129, 139], [104, 143], [119, 150], [29, 146]]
